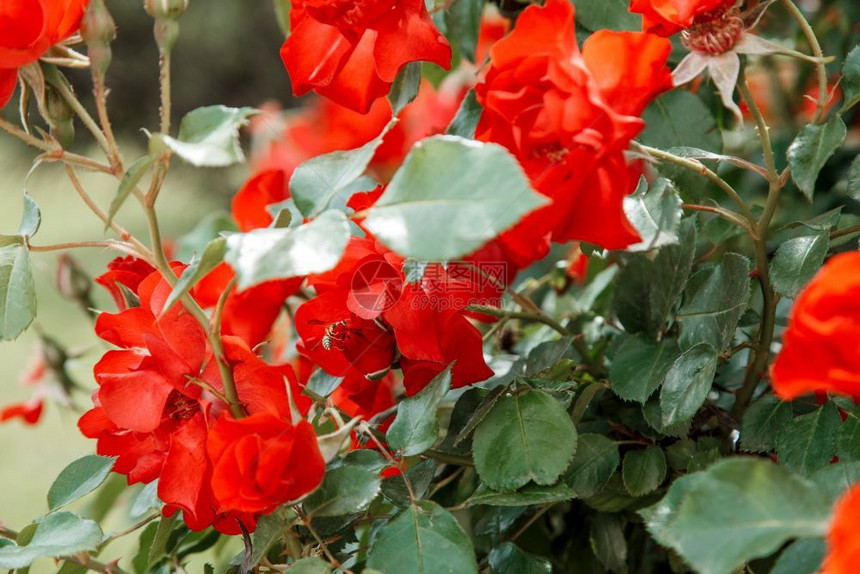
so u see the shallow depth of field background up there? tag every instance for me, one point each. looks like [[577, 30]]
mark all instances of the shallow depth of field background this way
[[227, 54]]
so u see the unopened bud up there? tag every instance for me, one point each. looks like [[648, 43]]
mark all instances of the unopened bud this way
[[59, 116], [98, 31], [165, 9], [97, 25], [166, 33]]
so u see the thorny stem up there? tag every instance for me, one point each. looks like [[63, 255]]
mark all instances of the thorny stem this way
[[701, 169], [197, 312], [815, 46], [123, 234], [760, 356], [127, 248], [729, 216], [844, 231], [164, 79], [101, 105], [331, 558], [537, 317], [52, 151]]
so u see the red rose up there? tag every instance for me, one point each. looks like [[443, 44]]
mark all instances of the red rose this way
[[366, 319], [27, 29], [819, 349], [569, 117], [262, 461], [668, 17], [352, 51], [843, 540], [161, 389]]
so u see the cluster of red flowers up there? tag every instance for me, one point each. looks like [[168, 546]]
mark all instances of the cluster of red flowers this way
[[568, 117], [161, 410], [28, 30]]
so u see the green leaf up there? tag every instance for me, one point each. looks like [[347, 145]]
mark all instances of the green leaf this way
[[322, 384], [416, 426], [508, 559], [811, 149], [420, 477], [639, 367], [526, 436], [762, 422], [58, 534], [679, 119], [31, 218], [606, 15], [809, 441], [655, 212], [529, 495], [345, 490], [647, 289], [687, 384], [146, 499], [449, 183], [463, 20], [474, 415], [737, 510], [801, 557], [850, 82], [309, 566], [212, 256], [316, 182], [265, 254], [78, 479], [854, 179], [270, 527], [140, 561], [608, 542], [466, 120], [209, 136], [797, 261], [654, 418], [595, 462], [131, 178], [714, 300], [848, 438], [546, 354], [833, 480], [162, 536], [17, 291], [643, 470], [423, 538], [405, 86]]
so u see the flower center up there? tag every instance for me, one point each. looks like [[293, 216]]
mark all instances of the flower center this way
[[179, 407], [347, 15], [714, 33]]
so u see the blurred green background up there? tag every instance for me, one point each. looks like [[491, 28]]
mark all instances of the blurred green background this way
[[227, 53]]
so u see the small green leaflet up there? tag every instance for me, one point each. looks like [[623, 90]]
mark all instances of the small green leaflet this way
[[478, 190], [209, 136], [58, 534], [78, 479], [265, 254]]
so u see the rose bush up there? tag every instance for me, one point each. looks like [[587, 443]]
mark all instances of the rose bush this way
[[512, 291]]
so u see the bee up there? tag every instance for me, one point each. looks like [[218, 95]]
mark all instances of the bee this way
[[334, 338]]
